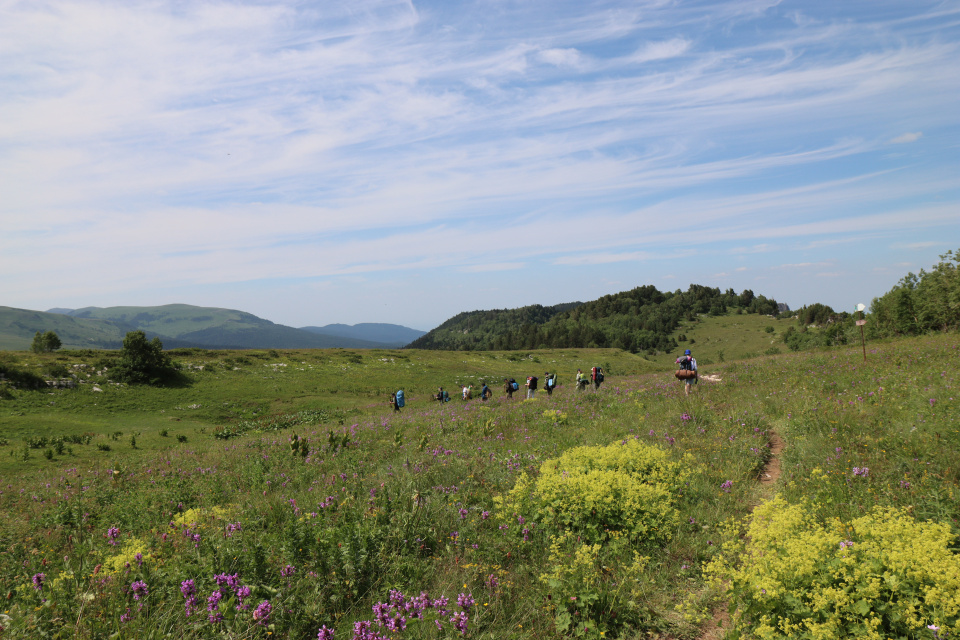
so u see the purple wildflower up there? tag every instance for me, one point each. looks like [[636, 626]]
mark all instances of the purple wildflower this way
[[726, 486], [465, 600], [459, 621], [213, 606], [112, 534], [325, 633], [288, 571], [262, 613], [139, 589], [463, 514], [38, 579], [242, 594]]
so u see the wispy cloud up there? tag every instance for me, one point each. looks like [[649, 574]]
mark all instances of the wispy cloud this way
[[173, 146], [907, 138]]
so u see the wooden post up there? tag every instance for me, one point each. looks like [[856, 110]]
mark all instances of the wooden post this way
[[860, 323]]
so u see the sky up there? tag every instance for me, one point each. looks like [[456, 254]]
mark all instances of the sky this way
[[404, 161]]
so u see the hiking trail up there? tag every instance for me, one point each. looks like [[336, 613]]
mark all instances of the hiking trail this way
[[718, 626]]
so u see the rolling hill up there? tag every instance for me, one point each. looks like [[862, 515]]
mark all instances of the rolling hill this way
[[177, 325], [392, 335]]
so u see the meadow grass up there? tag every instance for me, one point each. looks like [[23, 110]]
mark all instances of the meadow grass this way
[[349, 517]]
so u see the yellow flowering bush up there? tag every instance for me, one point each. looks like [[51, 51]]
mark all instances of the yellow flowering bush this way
[[627, 487], [884, 575], [593, 587], [200, 516], [127, 556]]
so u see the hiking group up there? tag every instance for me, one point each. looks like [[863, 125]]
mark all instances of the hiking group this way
[[686, 373], [510, 385]]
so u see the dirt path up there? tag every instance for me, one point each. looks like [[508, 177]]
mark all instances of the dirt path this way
[[771, 472], [716, 628]]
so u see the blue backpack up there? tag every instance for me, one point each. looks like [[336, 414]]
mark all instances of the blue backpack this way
[[400, 401]]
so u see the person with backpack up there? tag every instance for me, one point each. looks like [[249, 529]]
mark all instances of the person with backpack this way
[[397, 401], [531, 386], [442, 396], [581, 380], [550, 382], [596, 376], [485, 392], [687, 363], [509, 386]]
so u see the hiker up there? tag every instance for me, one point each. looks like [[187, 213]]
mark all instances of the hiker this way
[[467, 392], [397, 401], [509, 386], [596, 376], [531, 386], [442, 396], [485, 392], [688, 363], [581, 380], [550, 382]]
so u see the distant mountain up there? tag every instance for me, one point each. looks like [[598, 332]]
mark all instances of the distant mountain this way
[[177, 325], [17, 327], [392, 335], [642, 319]]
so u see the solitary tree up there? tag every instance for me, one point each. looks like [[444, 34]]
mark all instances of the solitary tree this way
[[45, 342], [143, 361]]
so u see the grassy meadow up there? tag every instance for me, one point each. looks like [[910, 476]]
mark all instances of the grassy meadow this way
[[274, 494]]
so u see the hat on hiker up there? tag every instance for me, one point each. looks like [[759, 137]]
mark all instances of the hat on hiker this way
[[687, 352]]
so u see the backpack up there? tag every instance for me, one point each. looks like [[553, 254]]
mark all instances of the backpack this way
[[593, 373], [400, 401], [446, 397], [686, 363], [551, 380], [515, 385], [599, 375]]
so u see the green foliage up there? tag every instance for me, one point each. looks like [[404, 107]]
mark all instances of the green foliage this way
[[627, 488], [928, 301], [17, 376], [882, 575], [817, 314], [45, 342], [143, 361], [595, 589]]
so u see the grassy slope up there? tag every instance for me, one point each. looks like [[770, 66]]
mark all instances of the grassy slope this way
[[835, 412], [231, 385]]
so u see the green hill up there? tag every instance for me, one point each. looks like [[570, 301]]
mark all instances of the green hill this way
[[642, 319]]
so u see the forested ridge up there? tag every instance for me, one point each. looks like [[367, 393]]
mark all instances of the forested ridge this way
[[642, 319]]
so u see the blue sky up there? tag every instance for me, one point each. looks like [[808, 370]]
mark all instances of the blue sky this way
[[386, 161]]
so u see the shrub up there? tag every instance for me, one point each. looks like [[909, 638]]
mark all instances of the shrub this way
[[883, 575], [143, 361], [628, 488]]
